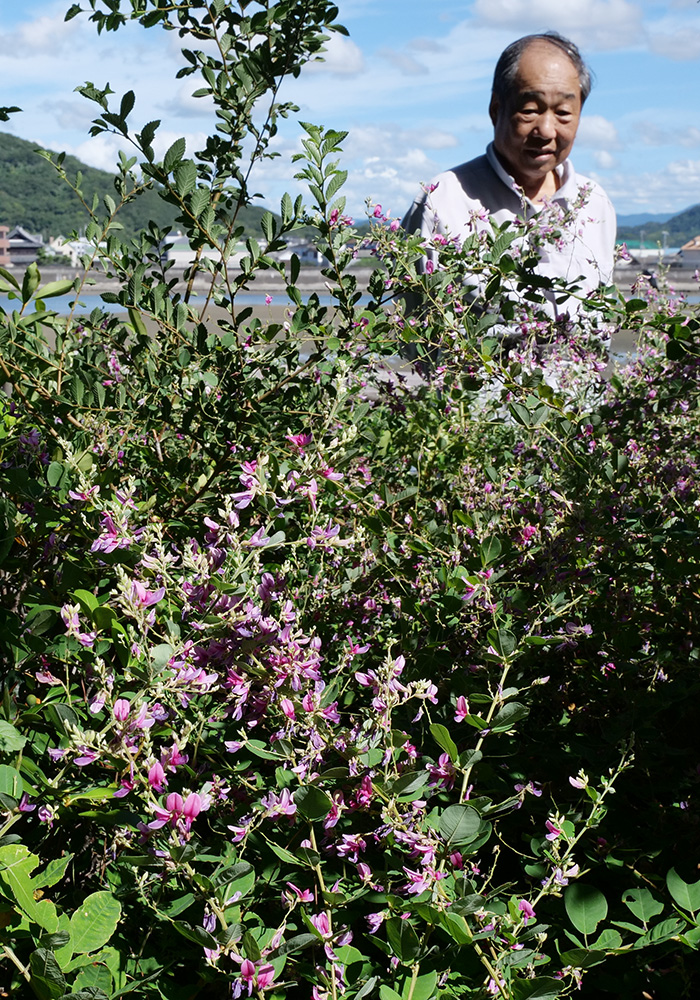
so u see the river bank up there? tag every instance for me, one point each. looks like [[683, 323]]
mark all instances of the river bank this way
[[311, 280]]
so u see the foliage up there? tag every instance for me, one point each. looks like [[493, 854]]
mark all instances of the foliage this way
[[320, 681], [35, 196]]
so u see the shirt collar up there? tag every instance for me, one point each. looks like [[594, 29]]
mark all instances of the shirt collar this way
[[567, 190]]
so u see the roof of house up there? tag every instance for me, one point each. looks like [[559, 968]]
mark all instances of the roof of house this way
[[21, 235]]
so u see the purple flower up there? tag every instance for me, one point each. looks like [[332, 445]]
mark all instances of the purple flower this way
[[321, 923], [121, 709], [526, 910], [552, 831]]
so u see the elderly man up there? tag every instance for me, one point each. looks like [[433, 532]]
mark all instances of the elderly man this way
[[539, 87]]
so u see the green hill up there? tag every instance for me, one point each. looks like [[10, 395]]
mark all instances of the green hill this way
[[679, 229], [32, 195]]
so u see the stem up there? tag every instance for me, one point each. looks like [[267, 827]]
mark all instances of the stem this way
[[480, 741], [13, 958], [490, 969], [322, 884], [414, 977]]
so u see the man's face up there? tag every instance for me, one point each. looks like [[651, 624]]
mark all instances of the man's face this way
[[535, 129]]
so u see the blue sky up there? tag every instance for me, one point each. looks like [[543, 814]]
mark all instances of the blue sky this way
[[411, 85]]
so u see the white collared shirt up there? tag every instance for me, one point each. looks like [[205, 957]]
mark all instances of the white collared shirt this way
[[464, 199]]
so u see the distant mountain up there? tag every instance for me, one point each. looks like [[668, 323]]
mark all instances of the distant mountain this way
[[640, 218], [679, 229], [32, 195]]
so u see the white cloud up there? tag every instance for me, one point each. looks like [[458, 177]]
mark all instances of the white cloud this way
[[690, 137], [341, 56], [682, 44], [45, 35], [427, 45], [595, 131], [183, 105], [403, 62], [659, 191], [651, 134], [595, 24], [102, 151], [70, 114], [604, 160]]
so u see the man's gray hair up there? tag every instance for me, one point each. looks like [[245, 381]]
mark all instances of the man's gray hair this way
[[507, 65]]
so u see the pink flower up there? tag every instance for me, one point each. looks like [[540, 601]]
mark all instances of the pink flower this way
[[268, 300], [321, 923], [174, 805], [156, 777], [552, 831], [248, 974], [526, 910], [377, 213], [143, 598], [287, 707], [121, 710], [191, 808], [266, 975], [303, 895], [462, 710], [299, 441]]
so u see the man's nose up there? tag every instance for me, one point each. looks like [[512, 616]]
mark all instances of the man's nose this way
[[546, 126]]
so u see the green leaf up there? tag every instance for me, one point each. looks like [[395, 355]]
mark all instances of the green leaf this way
[[459, 824], [503, 641], [423, 988], [48, 982], [642, 904], [96, 975], [508, 716], [11, 741], [457, 927], [185, 177], [53, 873], [94, 993], [251, 947], [443, 739], [586, 906], [402, 939], [686, 894], [174, 155], [296, 943], [93, 924], [258, 748], [87, 600], [53, 288], [312, 802], [8, 276], [30, 282], [11, 782], [409, 783], [607, 940], [196, 934], [542, 988], [54, 473], [582, 958], [386, 993], [491, 549]]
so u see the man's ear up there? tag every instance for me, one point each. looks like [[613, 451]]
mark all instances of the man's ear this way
[[494, 108]]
